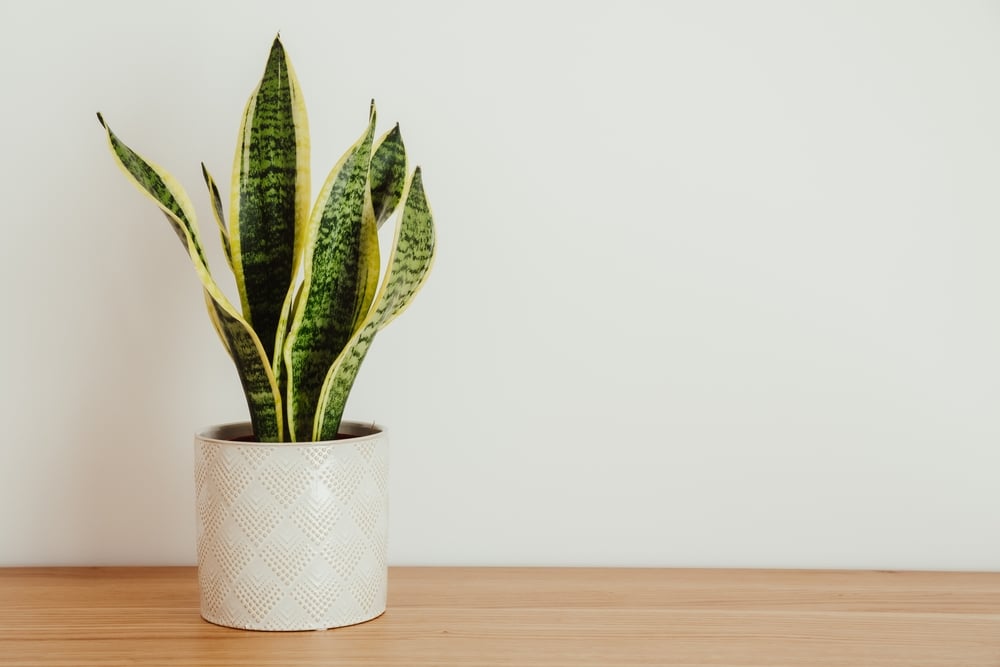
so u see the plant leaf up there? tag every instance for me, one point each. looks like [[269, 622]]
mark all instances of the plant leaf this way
[[217, 213], [259, 385], [270, 196], [388, 174], [409, 265], [341, 266], [213, 317], [240, 341]]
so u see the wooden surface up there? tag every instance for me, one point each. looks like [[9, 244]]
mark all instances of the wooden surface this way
[[510, 616]]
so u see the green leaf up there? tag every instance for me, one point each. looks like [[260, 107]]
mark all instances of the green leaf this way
[[270, 196], [259, 385], [341, 267], [217, 213], [409, 266], [213, 317], [278, 364], [239, 339], [388, 174]]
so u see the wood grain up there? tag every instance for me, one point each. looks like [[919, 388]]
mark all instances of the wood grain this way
[[525, 616]]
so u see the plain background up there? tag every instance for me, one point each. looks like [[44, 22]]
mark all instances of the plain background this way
[[717, 285]]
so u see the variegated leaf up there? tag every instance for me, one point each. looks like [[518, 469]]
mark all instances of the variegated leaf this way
[[217, 213], [270, 196], [341, 266], [409, 266], [242, 343], [388, 174]]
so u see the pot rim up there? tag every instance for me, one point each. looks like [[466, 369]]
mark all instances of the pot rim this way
[[224, 434]]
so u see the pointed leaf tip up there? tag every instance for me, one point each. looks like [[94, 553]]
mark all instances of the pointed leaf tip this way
[[101, 119]]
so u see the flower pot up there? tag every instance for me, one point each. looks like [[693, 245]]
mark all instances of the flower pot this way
[[291, 536]]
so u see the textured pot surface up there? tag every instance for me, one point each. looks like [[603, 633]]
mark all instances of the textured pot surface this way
[[292, 536]]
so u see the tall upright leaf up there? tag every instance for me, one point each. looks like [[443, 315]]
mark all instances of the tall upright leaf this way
[[409, 266], [270, 195], [388, 174], [240, 340], [341, 267]]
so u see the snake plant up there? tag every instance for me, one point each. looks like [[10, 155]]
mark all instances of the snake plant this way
[[307, 275]]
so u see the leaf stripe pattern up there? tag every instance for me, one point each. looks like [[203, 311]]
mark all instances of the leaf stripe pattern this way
[[259, 384], [152, 180], [213, 317], [261, 391], [270, 196], [409, 265], [388, 174], [341, 275], [217, 213]]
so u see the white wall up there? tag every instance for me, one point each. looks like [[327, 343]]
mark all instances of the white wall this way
[[718, 282]]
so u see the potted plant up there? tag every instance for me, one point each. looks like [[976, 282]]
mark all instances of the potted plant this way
[[292, 505]]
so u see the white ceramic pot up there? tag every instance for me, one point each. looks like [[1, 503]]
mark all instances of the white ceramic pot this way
[[292, 536]]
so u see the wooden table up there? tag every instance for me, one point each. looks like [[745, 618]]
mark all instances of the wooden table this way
[[529, 616]]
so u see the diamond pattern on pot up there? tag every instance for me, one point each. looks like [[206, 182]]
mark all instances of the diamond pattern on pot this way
[[366, 586], [286, 481], [316, 515], [256, 513], [316, 457], [230, 551], [287, 559], [318, 606], [344, 478], [203, 463], [214, 588], [379, 465], [292, 536], [258, 595], [367, 511], [344, 551], [236, 474]]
